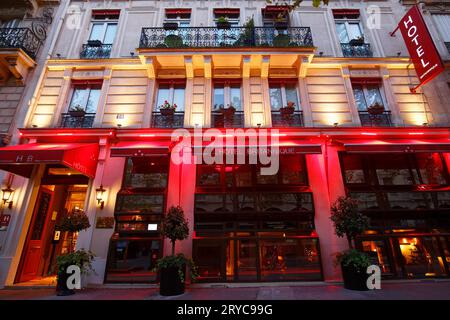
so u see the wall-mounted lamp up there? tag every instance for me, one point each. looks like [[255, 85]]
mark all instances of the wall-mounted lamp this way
[[99, 195], [6, 195]]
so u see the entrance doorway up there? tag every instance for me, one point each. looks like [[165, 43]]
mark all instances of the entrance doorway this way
[[44, 243]]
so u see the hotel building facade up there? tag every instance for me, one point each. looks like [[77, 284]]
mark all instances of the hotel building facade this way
[[94, 139]]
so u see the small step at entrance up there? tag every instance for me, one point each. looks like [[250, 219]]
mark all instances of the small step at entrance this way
[[281, 293]]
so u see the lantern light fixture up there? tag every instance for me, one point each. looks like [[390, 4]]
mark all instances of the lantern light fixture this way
[[99, 196], [6, 195]]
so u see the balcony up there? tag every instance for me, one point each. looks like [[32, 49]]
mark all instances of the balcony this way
[[213, 37], [68, 120], [175, 120], [95, 50], [287, 120], [219, 120], [18, 49], [375, 120], [361, 50]]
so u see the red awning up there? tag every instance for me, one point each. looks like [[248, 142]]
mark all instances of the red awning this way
[[387, 146], [345, 12], [140, 149], [178, 11], [366, 81], [226, 11], [284, 147], [105, 12], [20, 159]]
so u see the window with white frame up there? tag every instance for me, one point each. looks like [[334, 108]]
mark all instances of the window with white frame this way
[[348, 25], [85, 98], [367, 95], [182, 17], [173, 93], [104, 26], [281, 93], [232, 15], [226, 95], [442, 22]]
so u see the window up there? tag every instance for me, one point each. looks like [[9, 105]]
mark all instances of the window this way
[[442, 22], [232, 16], [172, 93], [227, 94], [104, 26], [348, 25], [182, 17], [281, 93], [85, 97], [367, 95], [146, 172]]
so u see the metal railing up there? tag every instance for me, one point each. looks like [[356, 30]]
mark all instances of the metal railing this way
[[361, 50], [213, 37], [287, 120], [70, 121], [20, 38], [219, 120], [102, 51], [175, 120], [375, 120]]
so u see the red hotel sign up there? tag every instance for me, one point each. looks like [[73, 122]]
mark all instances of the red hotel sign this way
[[426, 59]]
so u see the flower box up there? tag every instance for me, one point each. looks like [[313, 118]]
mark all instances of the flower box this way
[[170, 26], [167, 111], [375, 109]]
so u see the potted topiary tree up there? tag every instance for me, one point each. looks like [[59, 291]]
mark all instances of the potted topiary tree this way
[[81, 258], [172, 269], [350, 222]]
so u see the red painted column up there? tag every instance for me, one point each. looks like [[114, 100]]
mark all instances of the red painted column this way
[[181, 189], [326, 189]]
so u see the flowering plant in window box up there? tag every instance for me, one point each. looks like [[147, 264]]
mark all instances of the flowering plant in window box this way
[[223, 23], [167, 109], [77, 111], [288, 110], [358, 41], [375, 109], [229, 111]]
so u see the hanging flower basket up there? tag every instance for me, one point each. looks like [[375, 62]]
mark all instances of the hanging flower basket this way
[[228, 112], [375, 109], [167, 111]]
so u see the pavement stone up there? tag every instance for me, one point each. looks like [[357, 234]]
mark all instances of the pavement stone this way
[[438, 290]]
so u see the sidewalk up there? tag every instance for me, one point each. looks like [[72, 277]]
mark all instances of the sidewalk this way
[[429, 290]]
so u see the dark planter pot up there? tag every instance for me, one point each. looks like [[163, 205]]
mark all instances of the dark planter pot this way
[[94, 43], [375, 110], [281, 25], [354, 279], [170, 26], [223, 25], [356, 43], [61, 285], [167, 112], [287, 111], [170, 283], [77, 113]]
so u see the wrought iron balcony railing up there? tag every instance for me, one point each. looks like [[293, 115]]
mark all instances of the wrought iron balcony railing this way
[[361, 50], [212, 37], [219, 120], [287, 120], [175, 120], [20, 38], [375, 120], [70, 121], [447, 44], [96, 51]]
